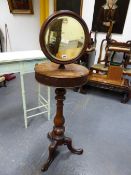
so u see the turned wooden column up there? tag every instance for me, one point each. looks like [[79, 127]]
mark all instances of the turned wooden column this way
[[59, 120]]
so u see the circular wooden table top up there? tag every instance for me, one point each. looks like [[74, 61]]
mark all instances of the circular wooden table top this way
[[73, 75]]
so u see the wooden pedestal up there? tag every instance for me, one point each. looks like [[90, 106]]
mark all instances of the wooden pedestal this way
[[72, 75]]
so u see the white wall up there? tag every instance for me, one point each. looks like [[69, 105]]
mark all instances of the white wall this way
[[87, 14], [23, 29]]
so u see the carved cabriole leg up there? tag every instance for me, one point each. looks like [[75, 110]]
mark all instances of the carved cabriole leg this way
[[52, 149], [68, 142], [57, 136]]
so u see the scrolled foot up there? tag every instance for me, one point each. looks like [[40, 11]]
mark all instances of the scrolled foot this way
[[76, 89], [68, 142], [49, 136], [83, 90], [52, 149]]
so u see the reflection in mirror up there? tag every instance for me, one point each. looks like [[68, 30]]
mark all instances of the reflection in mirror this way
[[64, 38]]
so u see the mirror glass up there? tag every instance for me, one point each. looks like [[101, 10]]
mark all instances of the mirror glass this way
[[64, 38]]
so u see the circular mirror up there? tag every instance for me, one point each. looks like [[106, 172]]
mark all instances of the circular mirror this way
[[64, 37]]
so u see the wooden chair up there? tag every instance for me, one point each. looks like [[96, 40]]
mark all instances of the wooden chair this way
[[101, 63], [100, 66], [107, 73], [111, 48]]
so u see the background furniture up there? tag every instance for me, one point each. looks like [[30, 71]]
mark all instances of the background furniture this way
[[2, 81], [24, 62], [109, 73], [113, 80]]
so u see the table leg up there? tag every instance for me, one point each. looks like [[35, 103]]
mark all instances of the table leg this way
[[38, 94], [48, 103], [23, 99]]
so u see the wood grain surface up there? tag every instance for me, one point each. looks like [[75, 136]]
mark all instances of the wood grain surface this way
[[50, 74]]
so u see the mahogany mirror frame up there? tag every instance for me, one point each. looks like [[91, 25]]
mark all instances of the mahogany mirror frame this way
[[44, 30]]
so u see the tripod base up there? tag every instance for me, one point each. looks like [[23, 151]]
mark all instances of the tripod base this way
[[57, 136], [53, 147]]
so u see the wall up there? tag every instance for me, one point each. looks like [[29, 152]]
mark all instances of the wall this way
[[23, 29], [87, 14]]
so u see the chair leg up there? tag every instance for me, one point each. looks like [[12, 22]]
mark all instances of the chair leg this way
[[4, 83], [126, 97]]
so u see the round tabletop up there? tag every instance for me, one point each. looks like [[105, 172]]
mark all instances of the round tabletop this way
[[50, 74]]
